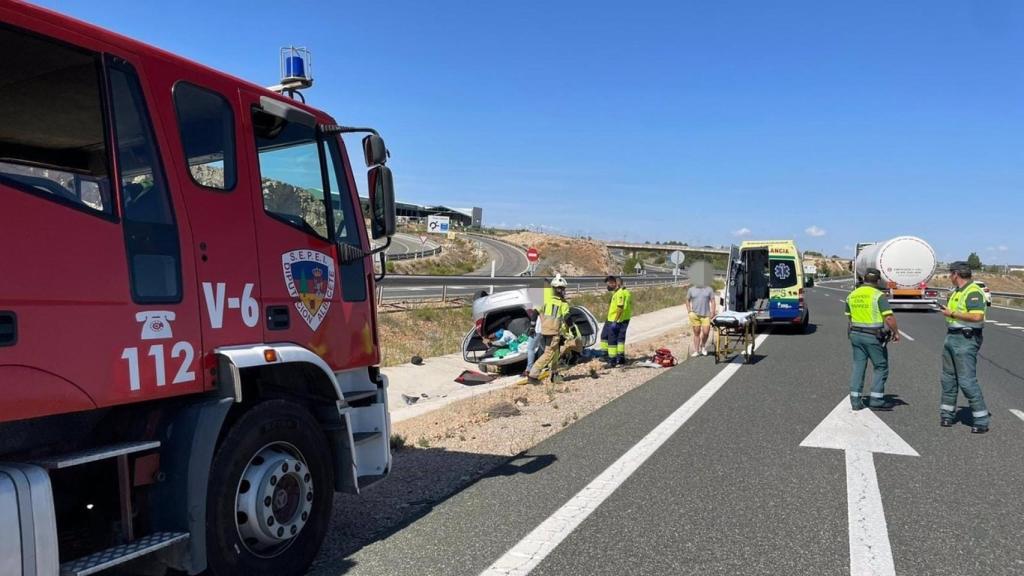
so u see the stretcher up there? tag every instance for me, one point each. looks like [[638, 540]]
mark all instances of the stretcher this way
[[734, 334]]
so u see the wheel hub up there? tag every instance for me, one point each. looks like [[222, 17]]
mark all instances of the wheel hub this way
[[274, 499]]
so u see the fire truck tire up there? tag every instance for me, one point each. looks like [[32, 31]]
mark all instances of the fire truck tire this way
[[271, 492]]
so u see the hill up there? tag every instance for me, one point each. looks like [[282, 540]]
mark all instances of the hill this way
[[564, 255]]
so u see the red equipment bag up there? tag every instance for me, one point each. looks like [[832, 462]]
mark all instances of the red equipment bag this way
[[664, 357]]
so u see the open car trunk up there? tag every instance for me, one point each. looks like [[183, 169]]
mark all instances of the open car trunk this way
[[509, 311]]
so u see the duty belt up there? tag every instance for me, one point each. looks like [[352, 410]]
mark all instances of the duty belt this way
[[964, 331], [871, 331]]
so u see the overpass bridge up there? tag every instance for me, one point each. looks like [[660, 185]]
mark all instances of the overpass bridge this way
[[630, 247]]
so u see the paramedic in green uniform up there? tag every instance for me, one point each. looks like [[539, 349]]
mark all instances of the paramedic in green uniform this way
[[965, 318], [872, 325]]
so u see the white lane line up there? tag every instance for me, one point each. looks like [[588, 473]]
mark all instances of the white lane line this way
[[991, 321], [531, 550], [1016, 327], [1002, 324], [1006, 308], [905, 335], [1017, 413], [834, 289]]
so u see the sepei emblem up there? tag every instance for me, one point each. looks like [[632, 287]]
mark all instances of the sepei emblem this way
[[309, 276]]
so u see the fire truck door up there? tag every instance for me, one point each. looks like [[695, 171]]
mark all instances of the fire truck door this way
[[309, 298]]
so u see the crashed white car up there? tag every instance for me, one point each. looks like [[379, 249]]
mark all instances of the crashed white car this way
[[510, 311]]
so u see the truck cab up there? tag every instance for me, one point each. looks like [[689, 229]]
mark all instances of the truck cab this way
[[189, 344], [766, 277]]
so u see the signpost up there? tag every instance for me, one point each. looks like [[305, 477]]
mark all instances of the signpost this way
[[423, 239], [639, 268], [677, 258], [437, 224], [532, 255]]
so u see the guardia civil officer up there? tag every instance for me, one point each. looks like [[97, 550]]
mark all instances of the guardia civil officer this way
[[965, 318], [872, 326]]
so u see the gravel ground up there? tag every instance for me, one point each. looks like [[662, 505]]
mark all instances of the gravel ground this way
[[450, 448]]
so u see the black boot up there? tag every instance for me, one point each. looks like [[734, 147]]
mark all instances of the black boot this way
[[946, 422]]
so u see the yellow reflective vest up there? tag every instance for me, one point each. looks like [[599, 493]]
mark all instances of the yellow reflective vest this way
[[958, 303], [864, 306]]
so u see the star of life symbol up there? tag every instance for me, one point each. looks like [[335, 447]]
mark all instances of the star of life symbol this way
[[782, 271]]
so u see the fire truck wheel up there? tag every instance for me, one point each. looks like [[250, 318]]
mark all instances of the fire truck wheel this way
[[271, 490]]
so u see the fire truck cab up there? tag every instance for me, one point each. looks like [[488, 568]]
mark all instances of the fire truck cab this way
[[188, 339]]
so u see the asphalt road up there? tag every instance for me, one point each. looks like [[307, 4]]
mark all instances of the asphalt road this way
[[508, 260], [731, 491], [407, 243]]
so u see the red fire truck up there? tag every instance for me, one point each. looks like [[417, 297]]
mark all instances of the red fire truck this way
[[188, 338]]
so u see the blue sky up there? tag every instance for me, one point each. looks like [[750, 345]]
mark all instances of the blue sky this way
[[828, 122]]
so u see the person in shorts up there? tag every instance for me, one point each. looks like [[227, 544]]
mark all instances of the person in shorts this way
[[700, 307]]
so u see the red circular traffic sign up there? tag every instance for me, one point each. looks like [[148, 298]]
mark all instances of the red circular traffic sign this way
[[532, 255]]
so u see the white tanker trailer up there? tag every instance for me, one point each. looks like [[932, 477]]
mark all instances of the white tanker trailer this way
[[907, 263]]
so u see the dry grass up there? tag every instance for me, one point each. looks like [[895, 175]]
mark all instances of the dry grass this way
[[564, 255], [829, 266], [1000, 282], [644, 300], [458, 256], [425, 332]]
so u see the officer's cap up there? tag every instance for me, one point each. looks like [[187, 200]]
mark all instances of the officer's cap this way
[[960, 268]]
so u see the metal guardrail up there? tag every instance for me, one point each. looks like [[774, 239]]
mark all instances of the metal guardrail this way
[[410, 288], [417, 281], [1007, 295], [412, 255], [942, 290], [451, 286]]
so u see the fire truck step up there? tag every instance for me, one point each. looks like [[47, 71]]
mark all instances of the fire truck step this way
[[118, 555], [356, 396], [360, 437], [70, 459]]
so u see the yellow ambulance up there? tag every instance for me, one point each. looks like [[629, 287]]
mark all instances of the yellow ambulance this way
[[766, 277]]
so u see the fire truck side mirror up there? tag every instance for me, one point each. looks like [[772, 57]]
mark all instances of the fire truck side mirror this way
[[374, 150], [382, 201]]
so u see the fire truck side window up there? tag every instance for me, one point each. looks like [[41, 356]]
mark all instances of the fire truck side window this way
[[52, 136], [207, 127], [151, 235], [291, 175]]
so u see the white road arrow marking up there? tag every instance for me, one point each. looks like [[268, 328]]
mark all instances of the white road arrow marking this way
[[1017, 413], [860, 434]]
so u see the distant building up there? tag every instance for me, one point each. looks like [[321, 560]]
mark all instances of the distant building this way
[[459, 217]]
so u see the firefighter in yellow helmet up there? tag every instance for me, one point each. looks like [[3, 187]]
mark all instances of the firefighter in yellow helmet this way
[[552, 329]]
